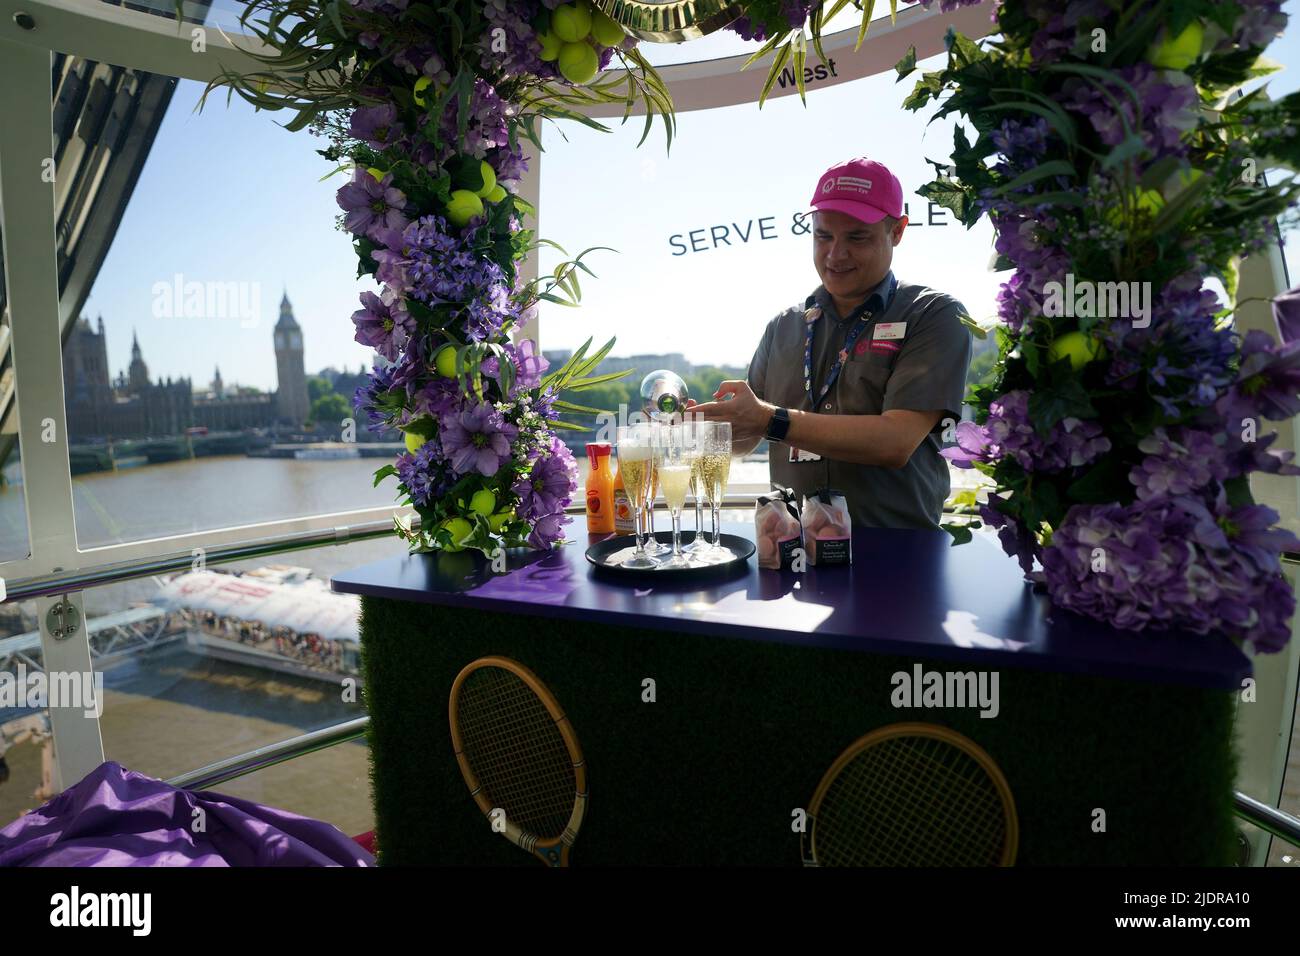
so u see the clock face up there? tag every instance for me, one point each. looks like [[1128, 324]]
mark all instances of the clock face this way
[[671, 21], [295, 340]]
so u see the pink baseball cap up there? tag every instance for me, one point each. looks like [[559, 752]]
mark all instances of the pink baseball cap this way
[[861, 188]]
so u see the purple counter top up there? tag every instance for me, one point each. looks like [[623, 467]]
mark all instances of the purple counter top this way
[[907, 592]]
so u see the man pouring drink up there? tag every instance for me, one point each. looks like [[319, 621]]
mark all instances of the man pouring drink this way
[[855, 386]]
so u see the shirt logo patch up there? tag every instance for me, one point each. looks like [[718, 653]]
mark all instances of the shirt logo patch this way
[[860, 347], [887, 348]]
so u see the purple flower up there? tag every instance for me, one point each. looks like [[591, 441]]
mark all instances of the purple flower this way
[[370, 204], [1286, 313], [477, 440], [1173, 562], [523, 49], [424, 474], [383, 324], [547, 530], [1269, 376], [486, 125], [1167, 100], [549, 486], [375, 399], [1177, 465], [759, 24], [1015, 538], [1072, 443], [440, 398], [972, 445], [528, 364], [377, 126]]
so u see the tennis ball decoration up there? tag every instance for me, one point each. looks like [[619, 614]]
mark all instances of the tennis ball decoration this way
[[605, 30], [1080, 349], [489, 178], [1142, 201], [421, 85], [497, 194], [414, 441], [571, 22], [459, 529], [444, 362], [463, 207], [1180, 52], [550, 45], [483, 502], [578, 63], [497, 523]]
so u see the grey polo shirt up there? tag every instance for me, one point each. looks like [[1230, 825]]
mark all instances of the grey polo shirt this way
[[923, 370]]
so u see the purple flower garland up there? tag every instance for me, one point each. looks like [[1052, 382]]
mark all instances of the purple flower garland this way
[[484, 465], [1123, 471]]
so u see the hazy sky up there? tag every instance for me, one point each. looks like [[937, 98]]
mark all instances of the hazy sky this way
[[228, 196]]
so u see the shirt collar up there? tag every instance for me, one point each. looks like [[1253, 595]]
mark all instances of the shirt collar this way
[[877, 301]]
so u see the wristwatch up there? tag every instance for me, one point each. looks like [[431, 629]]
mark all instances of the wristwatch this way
[[778, 425]]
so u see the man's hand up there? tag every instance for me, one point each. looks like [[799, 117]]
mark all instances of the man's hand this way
[[749, 416]]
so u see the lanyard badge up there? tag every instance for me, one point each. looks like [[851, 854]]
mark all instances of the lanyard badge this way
[[810, 318]]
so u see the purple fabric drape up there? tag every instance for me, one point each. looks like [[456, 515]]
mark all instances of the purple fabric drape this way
[[117, 817]]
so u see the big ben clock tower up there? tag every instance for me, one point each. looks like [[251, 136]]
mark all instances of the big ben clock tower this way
[[291, 398]]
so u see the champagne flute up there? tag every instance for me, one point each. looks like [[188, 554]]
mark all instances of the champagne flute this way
[[695, 429], [634, 457], [715, 468], [652, 545], [676, 451]]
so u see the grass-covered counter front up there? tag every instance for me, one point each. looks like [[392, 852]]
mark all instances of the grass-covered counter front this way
[[1116, 750]]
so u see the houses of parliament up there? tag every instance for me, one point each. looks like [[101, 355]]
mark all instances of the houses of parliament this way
[[131, 406]]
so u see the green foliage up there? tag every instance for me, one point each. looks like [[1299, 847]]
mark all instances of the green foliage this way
[[318, 387], [330, 409]]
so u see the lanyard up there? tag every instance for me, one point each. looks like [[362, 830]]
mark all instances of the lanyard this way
[[810, 319]]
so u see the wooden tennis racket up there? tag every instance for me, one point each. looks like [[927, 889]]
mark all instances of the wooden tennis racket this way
[[912, 794], [519, 756]]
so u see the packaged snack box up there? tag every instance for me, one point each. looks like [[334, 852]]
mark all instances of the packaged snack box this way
[[777, 529], [826, 528]]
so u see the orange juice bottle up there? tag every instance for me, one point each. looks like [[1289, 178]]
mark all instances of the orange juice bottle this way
[[600, 489]]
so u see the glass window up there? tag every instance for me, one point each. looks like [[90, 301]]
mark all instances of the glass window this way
[[711, 242], [209, 378], [210, 664], [331, 785], [13, 500], [219, 661], [213, 13]]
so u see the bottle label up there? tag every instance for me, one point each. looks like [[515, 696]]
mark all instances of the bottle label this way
[[593, 502], [623, 519]]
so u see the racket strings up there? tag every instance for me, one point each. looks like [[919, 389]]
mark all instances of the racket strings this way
[[911, 801], [516, 751]]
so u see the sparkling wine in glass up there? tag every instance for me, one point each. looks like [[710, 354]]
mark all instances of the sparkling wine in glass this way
[[676, 452], [715, 468], [695, 428], [635, 458]]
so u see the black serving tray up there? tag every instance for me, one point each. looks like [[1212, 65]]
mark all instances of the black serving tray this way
[[606, 555]]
